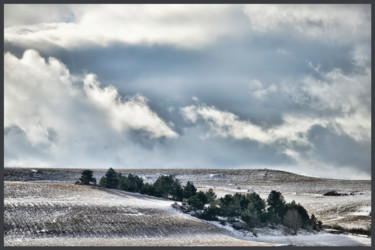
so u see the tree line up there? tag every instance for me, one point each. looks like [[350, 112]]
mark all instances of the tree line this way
[[250, 207]]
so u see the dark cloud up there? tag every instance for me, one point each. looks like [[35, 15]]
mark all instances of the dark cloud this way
[[340, 150]]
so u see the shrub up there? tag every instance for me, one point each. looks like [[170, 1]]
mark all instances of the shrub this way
[[210, 213], [332, 193], [315, 223]]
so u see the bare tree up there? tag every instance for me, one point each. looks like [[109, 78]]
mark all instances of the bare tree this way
[[293, 220]]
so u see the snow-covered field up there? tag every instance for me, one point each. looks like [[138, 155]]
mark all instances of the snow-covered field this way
[[44, 208], [39, 214]]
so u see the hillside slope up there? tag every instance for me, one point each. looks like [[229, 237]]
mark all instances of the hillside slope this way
[[70, 215]]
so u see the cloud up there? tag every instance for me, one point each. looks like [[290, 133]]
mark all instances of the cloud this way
[[326, 23], [263, 78], [260, 92], [42, 99], [343, 98], [340, 150], [180, 25], [226, 124], [312, 142], [20, 14], [186, 26], [133, 113]]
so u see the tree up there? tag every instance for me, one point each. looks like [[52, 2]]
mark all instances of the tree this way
[[293, 220], [177, 192], [87, 177], [209, 213], [257, 202], [229, 206], [305, 219], [276, 203], [147, 189], [168, 187], [251, 216], [110, 179], [131, 183], [189, 190], [198, 200], [316, 224], [211, 196]]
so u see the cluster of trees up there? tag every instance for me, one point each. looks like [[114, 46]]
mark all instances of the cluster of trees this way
[[254, 211], [165, 186], [250, 207]]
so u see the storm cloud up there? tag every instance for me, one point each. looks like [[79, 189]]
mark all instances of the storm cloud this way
[[197, 86]]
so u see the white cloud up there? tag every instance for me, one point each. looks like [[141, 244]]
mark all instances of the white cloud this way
[[190, 113], [260, 92], [20, 14], [181, 25], [361, 55], [40, 99], [348, 96], [226, 124], [188, 26], [133, 113], [327, 23], [35, 89]]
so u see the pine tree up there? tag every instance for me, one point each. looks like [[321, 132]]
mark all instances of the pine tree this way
[[111, 179], [87, 177], [189, 190], [276, 203]]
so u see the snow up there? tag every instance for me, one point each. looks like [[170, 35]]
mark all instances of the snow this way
[[278, 237], [363, 211], [84, 215], [320, 239]]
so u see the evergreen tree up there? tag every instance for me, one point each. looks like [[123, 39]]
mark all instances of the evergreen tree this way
[[251, 216], [276, 203], [87, 177], [198, 200], [176, 191], [229, 206], [131, 183], [210, 213], [147, 189], [110, 179], [211, 196], [316, 224], [189, 190], [257, 202], [168, 187]]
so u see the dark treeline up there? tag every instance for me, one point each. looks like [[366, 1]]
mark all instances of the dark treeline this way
[[250, 208], [165, 186]]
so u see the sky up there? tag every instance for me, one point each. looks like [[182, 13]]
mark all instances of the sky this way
[[283, 87]]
